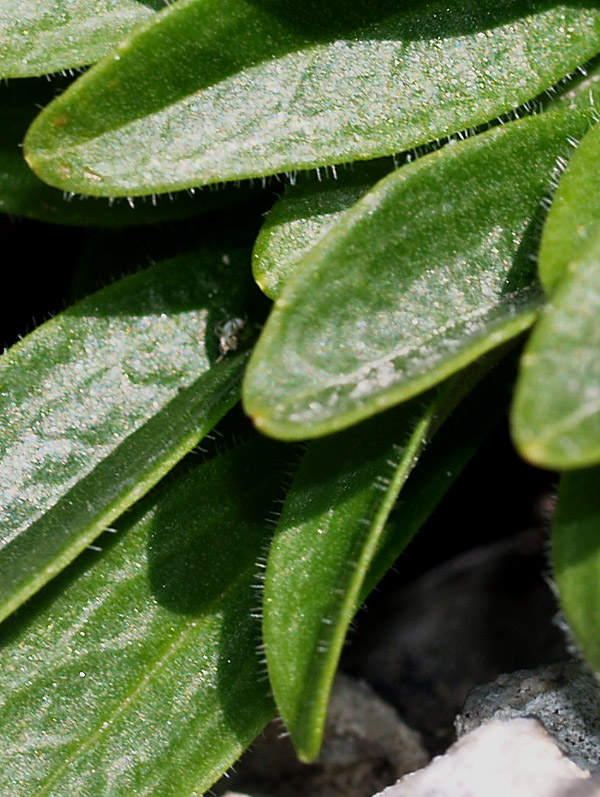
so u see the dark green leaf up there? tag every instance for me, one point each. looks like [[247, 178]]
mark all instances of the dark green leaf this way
[[136, 672], [41, 37], [576, 558], [432, 268], [331, 541], [242, 88], [99, 403]]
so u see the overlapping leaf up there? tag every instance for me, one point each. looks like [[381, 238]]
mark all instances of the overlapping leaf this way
[[556, 413], [97, 404], [24, 194], [331, 546], [432, 268], [304, 214], [576, 558], [135, 672], [574, 216], [241, 88], [37, 38]]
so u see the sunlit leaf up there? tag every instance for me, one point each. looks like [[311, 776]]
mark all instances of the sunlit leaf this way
[[431, 269], [243, 88], [574, 216], [41, 37], [100, 402], [331, 544], [556, 412], [135, 672], [304, 214], [24, 194]]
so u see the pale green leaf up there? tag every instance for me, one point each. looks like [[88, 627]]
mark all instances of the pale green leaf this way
[[243, 88], [135, 672], [556, 412], [24, 194]]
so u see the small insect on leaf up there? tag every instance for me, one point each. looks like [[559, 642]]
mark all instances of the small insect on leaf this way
[[229, 335]]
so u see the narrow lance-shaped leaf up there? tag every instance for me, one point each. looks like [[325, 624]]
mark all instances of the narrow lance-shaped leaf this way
[[243, 88], [24, 194], [135, 672], [99, 403], [38, 38], [370, 318], [556, 411], [331, 546], [576, 558], [304, 214]]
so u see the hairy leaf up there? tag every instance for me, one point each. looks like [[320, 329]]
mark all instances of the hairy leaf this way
[[135, 672], [304, 214], [41, 37], [574, 215], [242, 88], [331, 546], [99, 403], [24, 194], [556, 412], [432, 268], [576, 558]]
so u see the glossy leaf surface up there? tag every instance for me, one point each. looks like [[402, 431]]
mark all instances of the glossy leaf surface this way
[[556, 413], [135, 672], [431, 269], [41, 37], [574, 217], [304, 214], [576, 558], [99, 403], [331, 545], [24, 194], [253, 87]]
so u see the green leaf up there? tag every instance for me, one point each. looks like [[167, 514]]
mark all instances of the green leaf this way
[[443, 460], [37, 38], [315, 202], [331, 539], [431, 269], [303, 215], [576, 558], [243, 88], [24, 194], [556, 412], [99, 403], [135, 672], [326, 537], [574, 215]]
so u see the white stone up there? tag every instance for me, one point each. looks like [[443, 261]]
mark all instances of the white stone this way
[[500, 759], [565, 698]]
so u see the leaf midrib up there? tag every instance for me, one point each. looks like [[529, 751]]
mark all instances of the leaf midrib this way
[[108, 721]]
